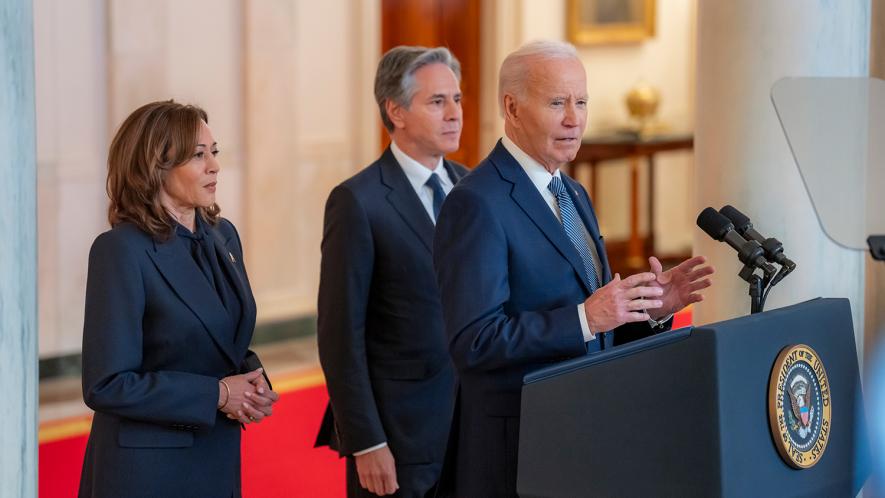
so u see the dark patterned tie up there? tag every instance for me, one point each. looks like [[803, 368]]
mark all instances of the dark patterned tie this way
[[573, 226], [438, 194]]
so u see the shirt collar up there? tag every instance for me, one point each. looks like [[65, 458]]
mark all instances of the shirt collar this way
[[417, 173], [199, 229], [539, 175]]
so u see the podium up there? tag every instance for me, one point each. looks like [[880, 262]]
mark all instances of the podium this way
[[686, 413]]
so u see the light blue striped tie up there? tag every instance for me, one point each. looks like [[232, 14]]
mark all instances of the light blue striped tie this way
[[572, 224]]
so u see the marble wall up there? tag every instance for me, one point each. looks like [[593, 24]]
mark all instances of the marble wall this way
[[312, 122], [72, 137], [287, 85], [18, 265]]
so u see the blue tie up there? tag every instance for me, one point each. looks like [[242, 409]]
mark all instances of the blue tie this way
[[572, 224], [438, 194]]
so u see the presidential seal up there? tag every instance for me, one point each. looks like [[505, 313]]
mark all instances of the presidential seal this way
[[799, 406]]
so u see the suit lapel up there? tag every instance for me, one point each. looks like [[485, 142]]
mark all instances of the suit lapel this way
[[233, 267], [195, 292], [404, 199], [454, 173], [530, 201], [582, 204]]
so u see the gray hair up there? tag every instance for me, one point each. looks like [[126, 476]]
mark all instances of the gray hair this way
[[515, 68], [395, 78]]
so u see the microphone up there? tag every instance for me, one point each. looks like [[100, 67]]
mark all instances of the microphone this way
[[720, 228], [774, 250]]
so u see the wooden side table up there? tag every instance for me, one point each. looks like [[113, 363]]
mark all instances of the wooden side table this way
[[598, 149]]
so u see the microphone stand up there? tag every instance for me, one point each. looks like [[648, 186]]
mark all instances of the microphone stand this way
[[750, 253], [757, 285], [760, 286]]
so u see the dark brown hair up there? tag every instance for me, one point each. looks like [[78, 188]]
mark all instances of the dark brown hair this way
[[154, 139]]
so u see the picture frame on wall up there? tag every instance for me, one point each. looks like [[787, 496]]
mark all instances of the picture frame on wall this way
[[602, 22]]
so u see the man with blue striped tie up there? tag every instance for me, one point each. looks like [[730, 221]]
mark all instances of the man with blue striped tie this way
[[522, 269]]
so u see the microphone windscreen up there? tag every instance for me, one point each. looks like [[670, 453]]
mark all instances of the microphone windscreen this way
[[739, 219], [714, 224]]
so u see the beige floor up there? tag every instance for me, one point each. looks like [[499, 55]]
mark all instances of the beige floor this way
[[62, 398]]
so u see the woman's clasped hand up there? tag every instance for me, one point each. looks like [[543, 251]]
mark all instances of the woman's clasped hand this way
[[246, 397]]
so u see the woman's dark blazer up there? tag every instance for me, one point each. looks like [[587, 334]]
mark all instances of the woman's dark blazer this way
[[156, 340]]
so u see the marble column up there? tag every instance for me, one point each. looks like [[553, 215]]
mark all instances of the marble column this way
[[875, 270], [18, 253], [874, 330], [742, 156]]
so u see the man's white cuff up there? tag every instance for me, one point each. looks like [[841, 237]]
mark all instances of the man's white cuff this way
[[585, 328], [369, 450]]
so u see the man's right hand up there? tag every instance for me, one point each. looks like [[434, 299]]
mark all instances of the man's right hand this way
[[621, 301], [377, 471]]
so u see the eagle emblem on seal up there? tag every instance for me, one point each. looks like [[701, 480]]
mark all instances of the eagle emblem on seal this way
[[800, 402]]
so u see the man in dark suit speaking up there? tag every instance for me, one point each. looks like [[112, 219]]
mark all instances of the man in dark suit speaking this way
[[381, 339], [522, 269]]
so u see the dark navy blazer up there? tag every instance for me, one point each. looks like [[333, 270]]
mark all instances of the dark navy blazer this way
[[510, 282], [381, 339], [156, 340]]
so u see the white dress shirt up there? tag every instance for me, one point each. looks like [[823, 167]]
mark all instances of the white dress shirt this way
[[418, 174], [540, 178]]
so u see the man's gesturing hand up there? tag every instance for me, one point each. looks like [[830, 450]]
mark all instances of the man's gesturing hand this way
[[377, 471], [680, 284], [618, 302]]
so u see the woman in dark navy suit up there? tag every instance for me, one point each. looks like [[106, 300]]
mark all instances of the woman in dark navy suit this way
[[169, 318]]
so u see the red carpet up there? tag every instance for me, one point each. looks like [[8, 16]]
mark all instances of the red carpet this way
[[279, 460], [59, 467], [278, 455], [682, 319]]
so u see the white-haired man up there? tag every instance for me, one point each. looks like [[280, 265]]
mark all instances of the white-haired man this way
[[522, 268], [379, 327]]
